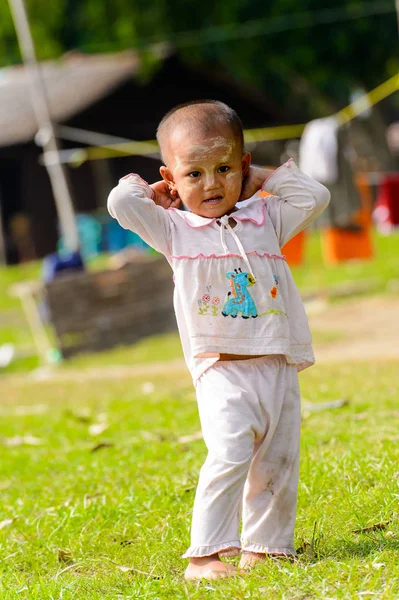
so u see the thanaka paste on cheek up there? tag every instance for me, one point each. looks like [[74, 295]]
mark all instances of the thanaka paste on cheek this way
[[234, 178]]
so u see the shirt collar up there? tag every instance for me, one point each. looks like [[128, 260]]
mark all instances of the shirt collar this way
[[252, 210]]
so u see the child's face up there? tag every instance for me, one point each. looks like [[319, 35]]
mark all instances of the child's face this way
[[206, 171]]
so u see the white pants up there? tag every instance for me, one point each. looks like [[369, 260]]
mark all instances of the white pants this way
[[250, 417]]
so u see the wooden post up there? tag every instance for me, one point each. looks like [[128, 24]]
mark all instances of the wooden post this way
[[2, 240], [46, 134], [26, 292]]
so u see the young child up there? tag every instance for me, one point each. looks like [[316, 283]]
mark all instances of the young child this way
[[241, 321]]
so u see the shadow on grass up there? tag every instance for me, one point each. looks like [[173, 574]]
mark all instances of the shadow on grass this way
[[346, 549], [363, 548]]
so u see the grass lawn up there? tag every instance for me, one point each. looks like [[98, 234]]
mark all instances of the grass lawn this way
[[117, 502], [96, 489], [378, 272]]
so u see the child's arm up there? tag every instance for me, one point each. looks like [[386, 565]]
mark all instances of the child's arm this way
[[297, 200], [141, 208]]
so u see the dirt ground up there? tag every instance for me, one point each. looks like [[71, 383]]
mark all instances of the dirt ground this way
[[361, 328]]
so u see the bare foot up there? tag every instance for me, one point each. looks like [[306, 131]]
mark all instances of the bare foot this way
[[250, 559], [208, 567]]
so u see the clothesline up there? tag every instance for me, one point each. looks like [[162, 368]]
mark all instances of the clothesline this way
[[77, 156], [347, 114]]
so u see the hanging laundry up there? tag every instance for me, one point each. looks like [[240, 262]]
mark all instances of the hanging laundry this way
[[324, 153], [386, 210], [318, 150]]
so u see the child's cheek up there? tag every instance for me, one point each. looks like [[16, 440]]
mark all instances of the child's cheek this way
[[185, 192], [233, 182]]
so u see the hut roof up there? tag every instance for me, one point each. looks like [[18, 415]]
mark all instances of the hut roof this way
[[72, 83]]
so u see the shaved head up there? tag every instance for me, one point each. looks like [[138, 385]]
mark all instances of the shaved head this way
[[204, 117]]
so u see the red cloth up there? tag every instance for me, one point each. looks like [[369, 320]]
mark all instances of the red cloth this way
[[386, 210]]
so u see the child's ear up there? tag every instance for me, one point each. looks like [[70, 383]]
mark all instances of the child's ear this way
[[245, 163], [167, 176]]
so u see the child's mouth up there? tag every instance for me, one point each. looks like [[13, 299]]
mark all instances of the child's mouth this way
[[213, 200]]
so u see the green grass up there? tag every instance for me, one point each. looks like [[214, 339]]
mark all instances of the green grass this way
[[157, 348], [314, 275], [129, 504]]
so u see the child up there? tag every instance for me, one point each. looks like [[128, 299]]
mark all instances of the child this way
[[241, 321]]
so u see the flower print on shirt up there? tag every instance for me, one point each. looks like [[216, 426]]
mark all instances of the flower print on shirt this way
[[206, 306], [215, 304]]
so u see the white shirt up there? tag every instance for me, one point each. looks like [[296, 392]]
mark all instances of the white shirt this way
[[234, 292]]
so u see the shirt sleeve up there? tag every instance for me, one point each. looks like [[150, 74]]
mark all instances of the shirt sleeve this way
[[296, 201], [131, 204]]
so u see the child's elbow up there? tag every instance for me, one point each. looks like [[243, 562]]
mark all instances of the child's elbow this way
[[114, 202], [323, 197]]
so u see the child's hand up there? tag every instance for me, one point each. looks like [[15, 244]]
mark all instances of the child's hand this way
[[253, 181], [165, 197]]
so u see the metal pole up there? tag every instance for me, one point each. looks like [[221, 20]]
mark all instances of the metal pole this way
[[46, 132], [2, 237]]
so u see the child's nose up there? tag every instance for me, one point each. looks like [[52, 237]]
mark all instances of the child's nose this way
[[210, 181]]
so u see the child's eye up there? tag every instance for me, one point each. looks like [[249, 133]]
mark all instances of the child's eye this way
[[194, 174], [223, 169]]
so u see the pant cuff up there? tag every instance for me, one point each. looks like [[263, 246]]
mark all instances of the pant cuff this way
[[263, 549], [224, 548]]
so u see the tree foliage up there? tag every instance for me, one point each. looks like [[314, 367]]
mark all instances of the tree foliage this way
[[305, 53]]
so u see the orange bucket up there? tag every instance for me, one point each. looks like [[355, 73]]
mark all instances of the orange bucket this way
[[294, 250], [340, 245]]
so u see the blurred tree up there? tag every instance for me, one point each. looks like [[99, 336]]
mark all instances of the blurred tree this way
[[306, 54]]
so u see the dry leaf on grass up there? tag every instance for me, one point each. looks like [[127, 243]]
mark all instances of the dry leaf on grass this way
[[185, 439], [83, 415], [98, 428], [65, 556], [90, 498], [316, 407], [102, 445], [21, 440], [7, 522], [149, 436], [133, 570], [375, 527]]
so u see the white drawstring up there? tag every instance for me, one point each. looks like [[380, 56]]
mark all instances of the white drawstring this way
[[224, 222]]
